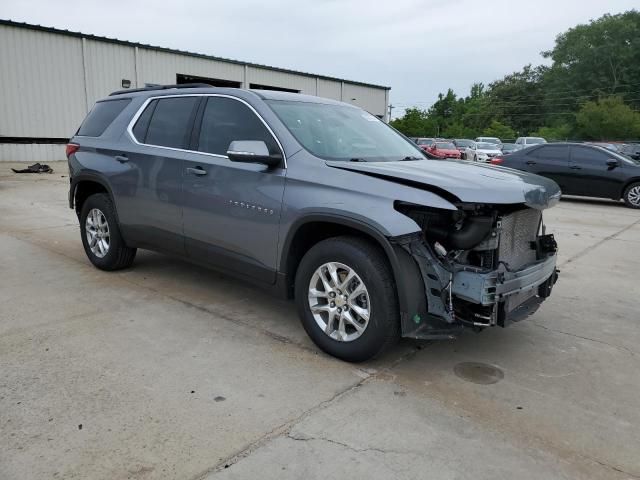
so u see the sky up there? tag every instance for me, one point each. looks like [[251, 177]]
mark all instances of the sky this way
[[418, 48]]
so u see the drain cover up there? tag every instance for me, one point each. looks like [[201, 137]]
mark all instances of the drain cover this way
[[480, 373]]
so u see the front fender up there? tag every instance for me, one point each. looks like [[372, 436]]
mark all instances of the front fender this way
[[409, 284]]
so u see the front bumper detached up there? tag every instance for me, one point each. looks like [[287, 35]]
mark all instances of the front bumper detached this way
[[501, 284], [461, 296]]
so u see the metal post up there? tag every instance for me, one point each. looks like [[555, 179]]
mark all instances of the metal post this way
[[84, 71]]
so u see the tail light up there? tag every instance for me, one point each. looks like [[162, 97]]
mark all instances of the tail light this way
[[71, 149], [496, 160]]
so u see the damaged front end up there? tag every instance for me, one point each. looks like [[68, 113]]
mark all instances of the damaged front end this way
[[481, 265]]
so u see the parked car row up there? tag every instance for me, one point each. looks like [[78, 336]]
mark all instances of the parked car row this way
[[593, 169], [581, 169], [482, 149]]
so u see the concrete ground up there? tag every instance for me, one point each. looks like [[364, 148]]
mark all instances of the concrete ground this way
[[168, 370]]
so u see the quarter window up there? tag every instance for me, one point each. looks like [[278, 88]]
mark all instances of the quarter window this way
[[225, 120], [101, 116], [170, 122]]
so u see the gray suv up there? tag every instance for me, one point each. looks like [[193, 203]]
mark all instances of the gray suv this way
[[318, 201]]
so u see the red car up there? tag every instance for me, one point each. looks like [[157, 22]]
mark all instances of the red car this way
[[444, 150]]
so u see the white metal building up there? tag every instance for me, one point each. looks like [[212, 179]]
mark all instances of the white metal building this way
[[50, 78]]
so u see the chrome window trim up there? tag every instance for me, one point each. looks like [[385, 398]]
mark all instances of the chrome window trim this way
[[160, 97]]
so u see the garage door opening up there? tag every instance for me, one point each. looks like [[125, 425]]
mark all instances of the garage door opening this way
[[258, 86], [215, 82]]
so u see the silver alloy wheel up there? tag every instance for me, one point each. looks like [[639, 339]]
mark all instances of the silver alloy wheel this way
[[97, 231], [339, 301], [633, 195]]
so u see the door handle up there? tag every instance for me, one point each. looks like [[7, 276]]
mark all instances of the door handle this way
[[575, 167], [122, 158], [196, 170], [530, 162]]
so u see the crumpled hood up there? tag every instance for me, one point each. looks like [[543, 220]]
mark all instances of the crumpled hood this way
[[467, 181]]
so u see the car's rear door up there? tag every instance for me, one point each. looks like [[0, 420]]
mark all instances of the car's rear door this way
[[231, 209], [592, 176], [551, 161], [148, 189]]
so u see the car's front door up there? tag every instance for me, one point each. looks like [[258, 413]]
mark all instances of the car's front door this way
[[591, 175], [551, 161], [231, 209]]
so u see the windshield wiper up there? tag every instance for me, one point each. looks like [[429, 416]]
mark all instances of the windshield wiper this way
[[406, 159], [357, 160]]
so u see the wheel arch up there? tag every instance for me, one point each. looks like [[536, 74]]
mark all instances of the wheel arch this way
[[312, 229], [85, 185], [626, 185]]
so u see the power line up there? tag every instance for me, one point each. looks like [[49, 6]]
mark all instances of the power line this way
[[488, 103], [553, 93]]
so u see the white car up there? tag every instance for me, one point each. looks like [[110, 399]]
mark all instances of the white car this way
[[525, 142], [482, 152], [494, 140]]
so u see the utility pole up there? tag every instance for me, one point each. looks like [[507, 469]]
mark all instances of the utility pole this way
[[391, 107]]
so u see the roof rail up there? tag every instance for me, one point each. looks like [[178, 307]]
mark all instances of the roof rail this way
[[161, 87]]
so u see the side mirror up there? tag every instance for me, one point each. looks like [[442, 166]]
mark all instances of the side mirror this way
[[612, 163], [252, 151]]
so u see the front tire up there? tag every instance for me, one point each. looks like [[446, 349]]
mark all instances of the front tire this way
[[346, 298], [101, 236], [631, 195]]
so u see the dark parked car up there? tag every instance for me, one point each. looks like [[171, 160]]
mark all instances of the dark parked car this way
[[631, 150], [581, 169], [316, 200]]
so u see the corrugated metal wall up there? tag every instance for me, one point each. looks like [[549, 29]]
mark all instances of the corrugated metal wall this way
[[31, 152], [306, 85], [50, 80], [42, 81], [162, 67]]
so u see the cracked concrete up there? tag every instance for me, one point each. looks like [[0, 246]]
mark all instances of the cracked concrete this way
[[177, 372]]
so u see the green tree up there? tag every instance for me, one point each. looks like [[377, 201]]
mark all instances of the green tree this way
[[608, 119], [594, 59], [560, 131], [500, 130], [518, 99], [415, 123]]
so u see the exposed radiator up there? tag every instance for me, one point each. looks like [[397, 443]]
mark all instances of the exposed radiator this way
[[519, 229]]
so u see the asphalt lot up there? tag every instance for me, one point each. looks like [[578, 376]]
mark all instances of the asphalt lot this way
[[169, 371]]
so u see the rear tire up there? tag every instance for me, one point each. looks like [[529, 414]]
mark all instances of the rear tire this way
[[101, 236], [342, 330], [631, 195]]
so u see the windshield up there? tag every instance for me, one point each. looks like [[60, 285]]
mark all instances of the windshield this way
[[341, 132], [445, 146], [486, 146], [489, 140], [464, 143], [535, 141], [425, 141]]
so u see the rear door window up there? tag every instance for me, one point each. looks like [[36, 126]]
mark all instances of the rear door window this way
[[142, 124], [170, 123], [225, 120], [101, 116], [552, 153]]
